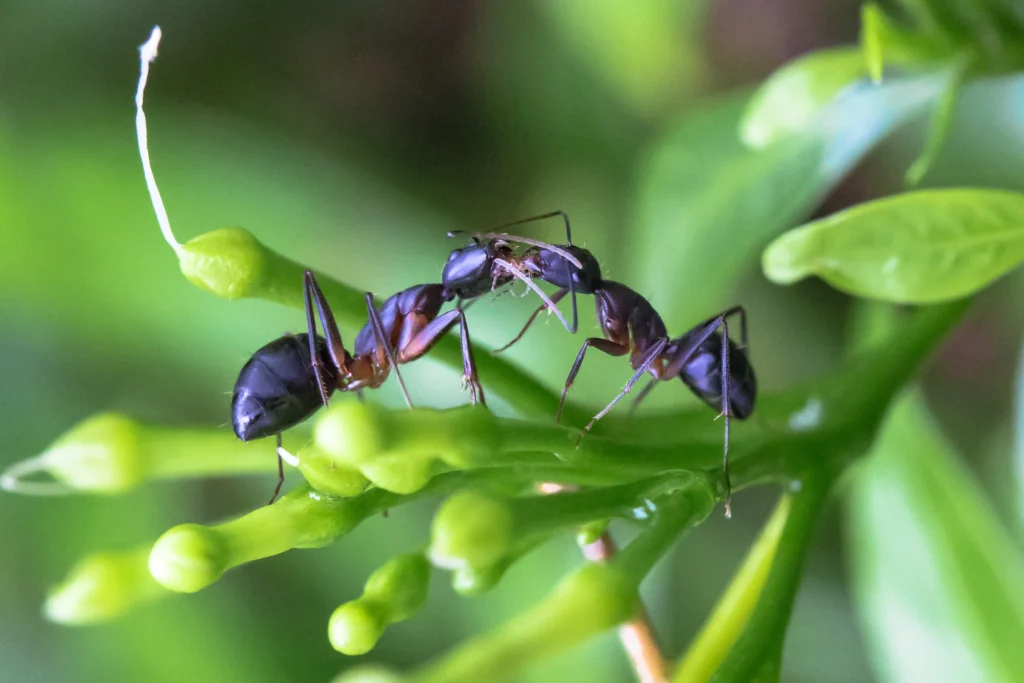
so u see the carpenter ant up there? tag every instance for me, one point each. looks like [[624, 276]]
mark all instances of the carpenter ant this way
[[287, 380], [701, 357]]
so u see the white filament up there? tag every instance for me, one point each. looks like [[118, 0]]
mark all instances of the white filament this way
[[147, 55]]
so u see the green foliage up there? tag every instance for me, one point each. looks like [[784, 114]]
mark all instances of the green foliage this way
[[929, 557], [719, 184], [919, 247]]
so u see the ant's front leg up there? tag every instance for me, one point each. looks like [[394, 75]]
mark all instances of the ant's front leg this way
[[555, 298], [425, 338], [599, 343]]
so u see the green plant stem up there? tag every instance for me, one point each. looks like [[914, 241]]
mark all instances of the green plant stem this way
[[762, 638], [729, 617], [592, 599]]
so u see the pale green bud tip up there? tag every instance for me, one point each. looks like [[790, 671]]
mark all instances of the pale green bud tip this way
[[350, 431], [470, 530], [354, 628], [188, 558], [98, 455], [227, 262], [98, 588], [328, 475], [601, 594], [371, 673]]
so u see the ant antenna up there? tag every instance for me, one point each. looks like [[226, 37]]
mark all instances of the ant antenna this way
[[148, 53], [537, 290]]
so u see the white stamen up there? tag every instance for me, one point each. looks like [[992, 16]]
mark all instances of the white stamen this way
[[148, 54], [13, 479]]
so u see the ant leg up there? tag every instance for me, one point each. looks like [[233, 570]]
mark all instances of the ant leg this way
[[544, 297], [280, 472], [555, 298], [651, 356], [641, 396], [312, 295], [703, 333], [425, 339], [601, 344], [382, 343]]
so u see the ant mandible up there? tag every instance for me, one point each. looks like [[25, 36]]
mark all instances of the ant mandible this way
[[287, 380], [701, 357]]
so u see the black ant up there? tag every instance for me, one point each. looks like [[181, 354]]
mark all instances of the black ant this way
[[287, 380], [700, 358]]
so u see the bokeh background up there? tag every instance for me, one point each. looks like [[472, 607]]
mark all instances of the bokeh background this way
[[351, 136]]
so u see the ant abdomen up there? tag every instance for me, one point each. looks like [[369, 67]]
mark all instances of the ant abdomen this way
[[703, 375], [277, 388]]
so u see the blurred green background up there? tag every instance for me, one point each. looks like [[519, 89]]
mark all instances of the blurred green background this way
[[351, 136]]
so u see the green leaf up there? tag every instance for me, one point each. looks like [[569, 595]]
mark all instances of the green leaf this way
[[648, 51], [938, 127], [790, 99], [918, 247], [939, 584], [707, 205], [872, 28]]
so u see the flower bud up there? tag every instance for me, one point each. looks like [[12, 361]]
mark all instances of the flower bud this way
[[100, 455], [102, 586], [328, 475], [188, 558], [394, 592], [470, 530], [228, 262]]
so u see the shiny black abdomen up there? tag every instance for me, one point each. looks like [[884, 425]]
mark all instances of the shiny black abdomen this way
[[703, 375], [276, 389]]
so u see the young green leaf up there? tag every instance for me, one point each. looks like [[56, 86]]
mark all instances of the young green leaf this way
[[702, 184], [872, 28], [790, 99], [918, 247], [938, 126], [938, 582]]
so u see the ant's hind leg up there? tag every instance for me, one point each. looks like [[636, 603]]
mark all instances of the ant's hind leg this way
[[313, 296], [280, 471]]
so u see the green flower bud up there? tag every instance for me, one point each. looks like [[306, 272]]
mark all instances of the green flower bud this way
[[328, 475], [351, 432], [110, 453], [589, 533], [227, 262], [98, 455], [355, 627], [471, 530], [371, 673], [102, 586], [189, 558], [393, 593], [469, 582]]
